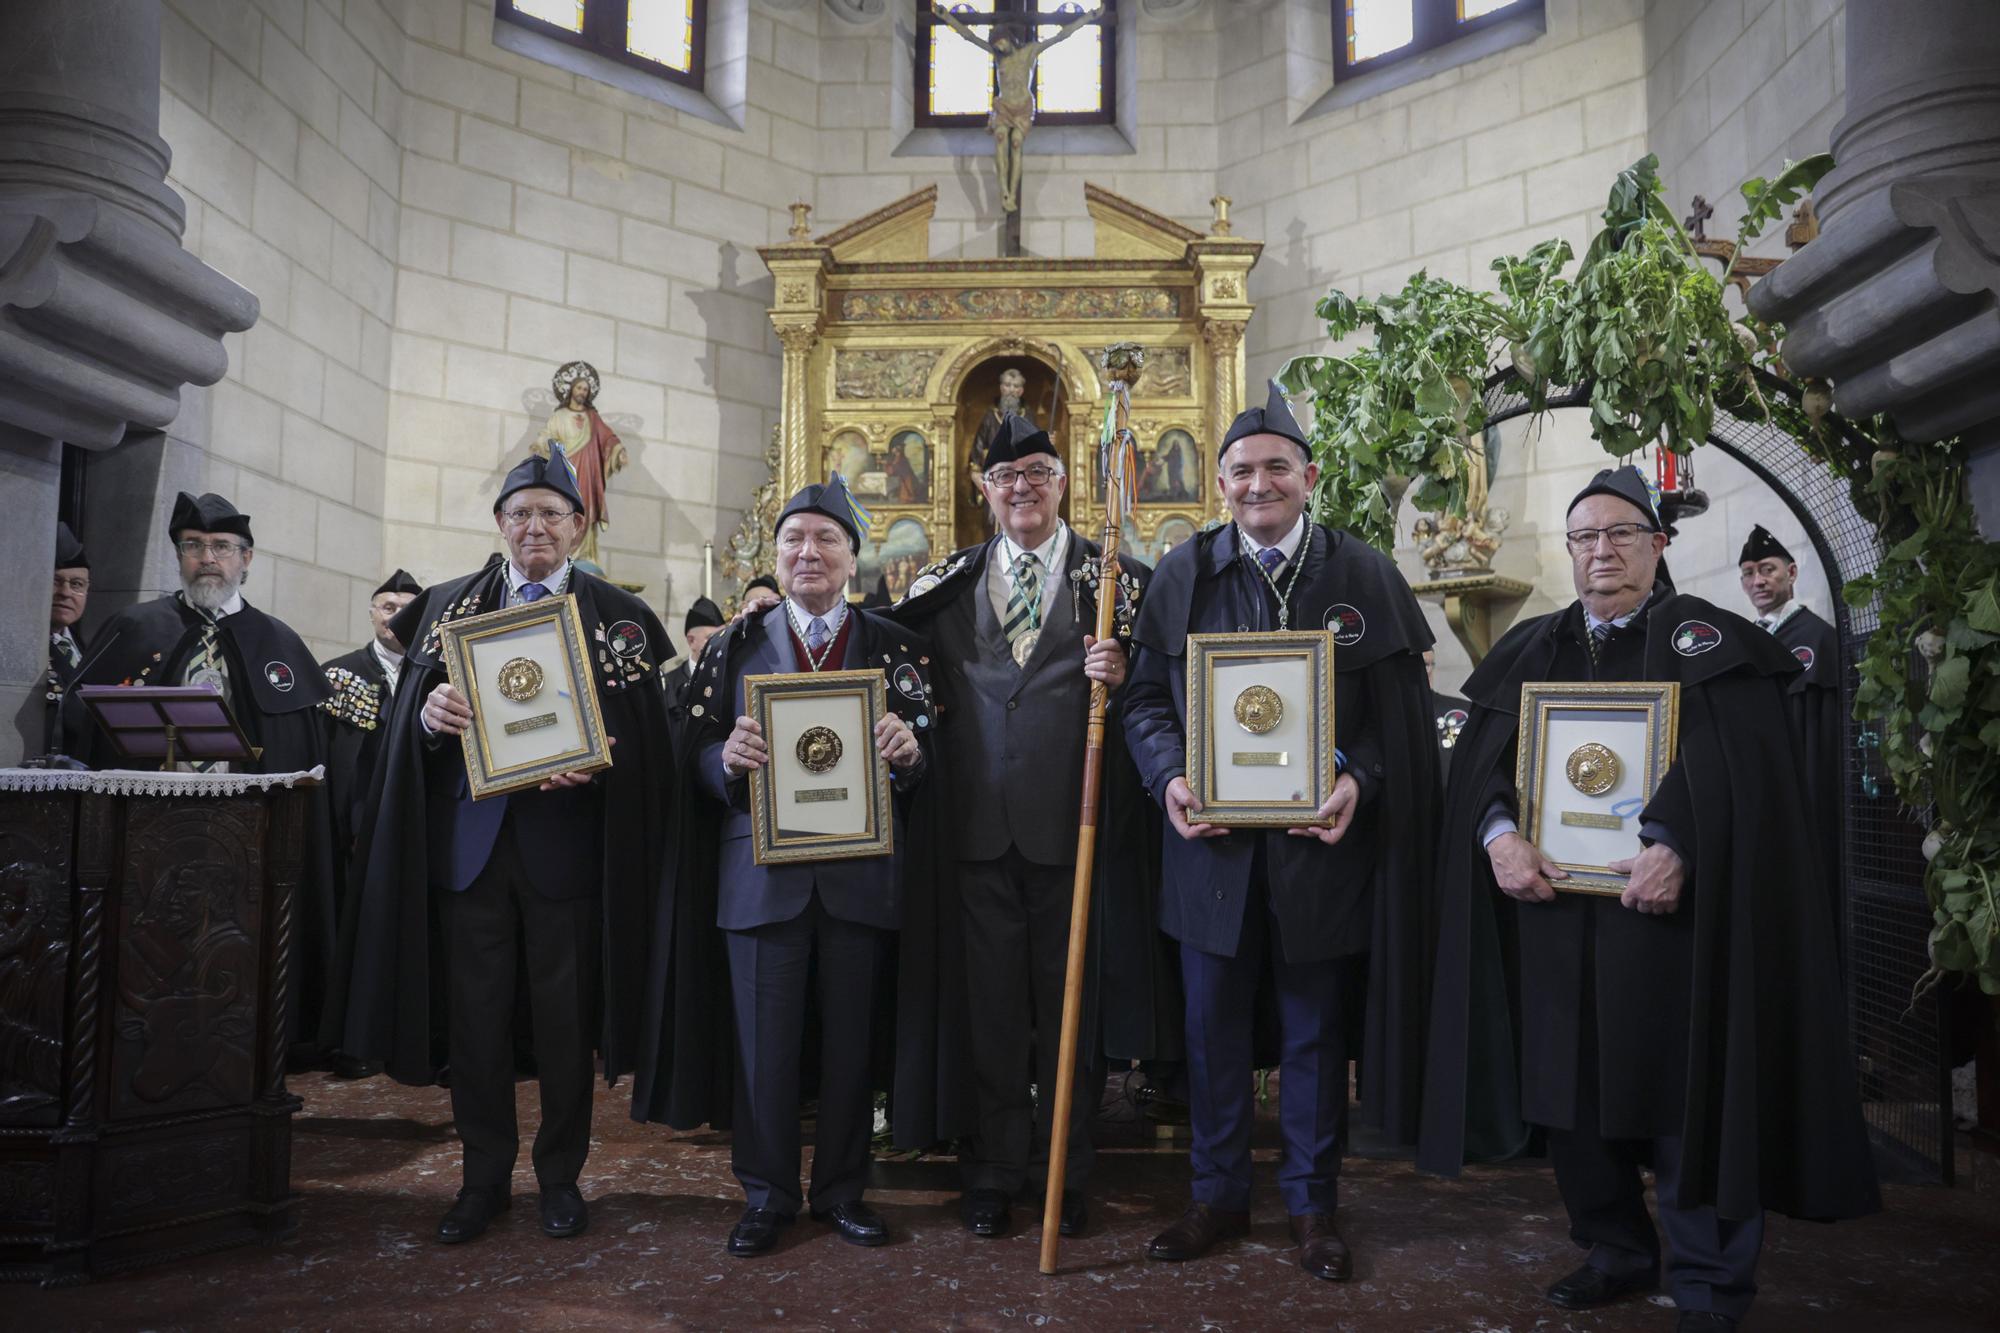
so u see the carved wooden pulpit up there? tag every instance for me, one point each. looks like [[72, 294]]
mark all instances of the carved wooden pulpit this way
[[145, 920], [893, 362]]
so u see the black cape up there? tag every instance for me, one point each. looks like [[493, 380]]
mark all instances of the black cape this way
[[1817, 721], [391, 992], [1769, 1118], [276, 690], [1341, 572], [1133, 981], [356, 718], [686, 1065]]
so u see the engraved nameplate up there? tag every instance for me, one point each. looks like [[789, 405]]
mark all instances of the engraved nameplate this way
[[1261, 758], [535, 723], [810, 795], [1585, 819]]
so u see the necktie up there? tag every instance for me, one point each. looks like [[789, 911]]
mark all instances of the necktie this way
[[1271, 558], [1767, 624], [66, 645], [531, 592], [1024, 604], [816, 635], [207, 666]]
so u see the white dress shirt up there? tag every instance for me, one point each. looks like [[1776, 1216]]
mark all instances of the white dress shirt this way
[[1053, 554], [391, 663]]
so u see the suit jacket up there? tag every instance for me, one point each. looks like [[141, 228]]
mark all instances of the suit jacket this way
[[866, 889], [1010, 737]]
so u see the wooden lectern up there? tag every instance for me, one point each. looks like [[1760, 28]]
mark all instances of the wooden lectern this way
[[145, 922]]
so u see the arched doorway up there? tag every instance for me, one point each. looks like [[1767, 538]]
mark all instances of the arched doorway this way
[[1899, 1043], [976, 414]]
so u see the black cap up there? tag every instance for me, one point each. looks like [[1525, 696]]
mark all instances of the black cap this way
[[763, 581], [211, 513], [1017, 438], [400, 581], [1625, 483], [1762, 546], [69, 551], [703, 612], [553, 472], [829, 498], [1273, 418]]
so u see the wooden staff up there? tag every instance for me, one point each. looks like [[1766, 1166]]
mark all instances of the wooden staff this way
[[1123, 363]]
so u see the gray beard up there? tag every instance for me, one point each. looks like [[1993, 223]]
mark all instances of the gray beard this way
[[207, 594], [1009, 407]]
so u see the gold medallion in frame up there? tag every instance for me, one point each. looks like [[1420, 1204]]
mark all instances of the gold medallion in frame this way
[[1260, 727], [1590, 757], [819, 799], [521, 737]]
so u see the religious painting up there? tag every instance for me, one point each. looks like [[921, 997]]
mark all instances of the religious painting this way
[[1171, 533], [885, 569], [908, 473], [847, 453], [1172, 472]]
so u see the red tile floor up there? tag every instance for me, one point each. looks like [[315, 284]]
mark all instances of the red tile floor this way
[[377, 1164]]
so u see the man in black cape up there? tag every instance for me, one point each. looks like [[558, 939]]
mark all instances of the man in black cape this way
[[207, 634], [1331, 912], [1697, 1022], [64, 723], [728, 1006], [1770, 581], [453, 890], [703, 619], [984, 954]]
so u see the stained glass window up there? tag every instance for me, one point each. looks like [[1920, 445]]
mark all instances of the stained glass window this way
[[662, 36], [1073, 78], [1369, 34]]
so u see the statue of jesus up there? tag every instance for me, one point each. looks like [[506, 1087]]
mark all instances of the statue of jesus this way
[[593, 448], [1014, 104]]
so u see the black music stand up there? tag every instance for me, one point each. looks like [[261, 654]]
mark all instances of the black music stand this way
[[167, 723]]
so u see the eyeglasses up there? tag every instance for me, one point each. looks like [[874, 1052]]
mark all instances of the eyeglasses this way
[[519, 517], [72, 585], [1621, 535], [218, 549], [1038, 474]]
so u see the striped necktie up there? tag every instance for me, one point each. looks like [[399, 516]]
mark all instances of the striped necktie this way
[[816, 635], [1024, 604], [66, 645], [207, 665]]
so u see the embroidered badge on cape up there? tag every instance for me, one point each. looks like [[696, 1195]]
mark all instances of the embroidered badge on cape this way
[[279, 675], [908, 683], [1695, 637], [1348, 624], [626, 638], [1805, 655]]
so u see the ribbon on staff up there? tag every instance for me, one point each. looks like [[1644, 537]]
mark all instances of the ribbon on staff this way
[[1118, 452]]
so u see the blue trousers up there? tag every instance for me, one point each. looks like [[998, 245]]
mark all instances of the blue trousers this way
[[1312, 1079]]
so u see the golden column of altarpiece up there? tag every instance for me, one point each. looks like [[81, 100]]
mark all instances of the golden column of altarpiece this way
[[894, 360]]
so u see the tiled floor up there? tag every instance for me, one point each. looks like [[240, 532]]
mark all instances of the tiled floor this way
[[377, 1164]]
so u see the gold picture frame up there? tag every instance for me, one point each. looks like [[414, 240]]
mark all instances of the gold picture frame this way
[[1260, 727], [1590, 757], [527, 677], [825, 794]]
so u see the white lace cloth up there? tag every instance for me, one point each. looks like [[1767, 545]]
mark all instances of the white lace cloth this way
[[137, 782]]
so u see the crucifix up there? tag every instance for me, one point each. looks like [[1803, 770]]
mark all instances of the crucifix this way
[[1013, 113]]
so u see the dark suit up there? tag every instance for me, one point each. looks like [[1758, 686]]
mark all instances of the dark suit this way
[[776, 920], [1009, 740], [1252, 901]]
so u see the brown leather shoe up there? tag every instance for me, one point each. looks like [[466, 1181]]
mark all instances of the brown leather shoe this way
[[1200, 1227], [1321, 1250]]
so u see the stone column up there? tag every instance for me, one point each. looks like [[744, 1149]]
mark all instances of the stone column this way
[[1895, 302], [103, 316], [798, 269]]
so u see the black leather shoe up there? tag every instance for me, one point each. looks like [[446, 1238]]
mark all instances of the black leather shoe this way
[[1704, 1321], [1321, 1250], [1075, 1213], [1588, 1287], [474, 1210], [857, 1223], [1200, 1227], [756, 1231], [352, 1067], [563, 1211], [986, 1212]]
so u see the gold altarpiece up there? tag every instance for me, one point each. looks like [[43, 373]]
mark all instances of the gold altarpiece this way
[[892, 359]]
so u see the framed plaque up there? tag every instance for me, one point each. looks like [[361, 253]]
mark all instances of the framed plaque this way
[[825, 793], [1260, 727], [1590, 757], [534, 701]]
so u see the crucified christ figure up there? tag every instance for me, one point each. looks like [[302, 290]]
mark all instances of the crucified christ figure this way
[[1014, 102]]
